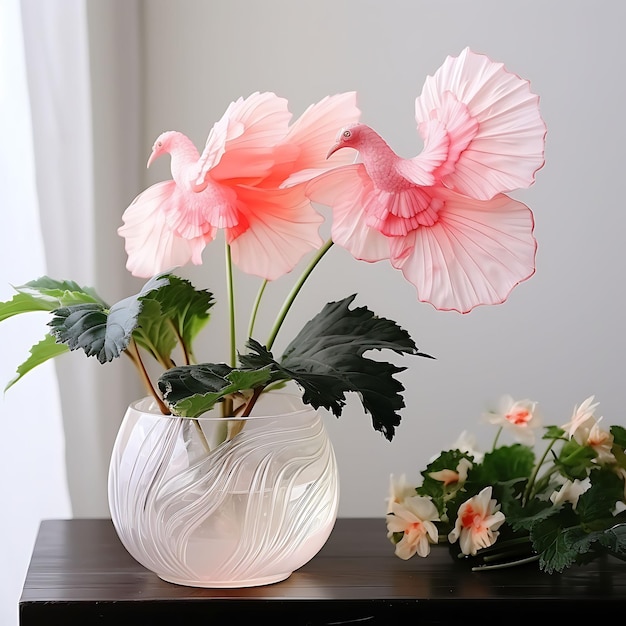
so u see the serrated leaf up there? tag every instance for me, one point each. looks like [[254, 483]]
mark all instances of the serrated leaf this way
[[164, 322], [596, 504], [101, 332], [190, 390], [506, 463], [187, 321], [553, 539], [41, 352], [614, 540], [326, 360], [46, 294]]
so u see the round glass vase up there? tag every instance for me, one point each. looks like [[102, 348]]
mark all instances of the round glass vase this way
[[200, 509]]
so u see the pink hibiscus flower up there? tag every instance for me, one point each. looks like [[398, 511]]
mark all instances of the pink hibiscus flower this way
[[238, 184]]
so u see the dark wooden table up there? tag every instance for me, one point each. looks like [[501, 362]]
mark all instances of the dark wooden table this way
[[81, 574]]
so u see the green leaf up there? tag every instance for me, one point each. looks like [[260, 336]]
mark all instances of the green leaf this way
[[554, 538], [505, 463], [46, 349], [575, 460], [619, 435], [190, 390], [164, 322], [435, 489], [326, 360], [101, 332], [596, 505], [46, 294], [614, 540]]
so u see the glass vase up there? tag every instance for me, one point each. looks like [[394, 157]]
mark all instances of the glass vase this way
[[202, 506]]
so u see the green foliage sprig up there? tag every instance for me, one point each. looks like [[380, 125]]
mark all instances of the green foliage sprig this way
[[565, 507]]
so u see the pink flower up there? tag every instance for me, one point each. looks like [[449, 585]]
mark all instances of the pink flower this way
[[442, 218], [248, 181], [519, 416], [414, 517], [477, 522]]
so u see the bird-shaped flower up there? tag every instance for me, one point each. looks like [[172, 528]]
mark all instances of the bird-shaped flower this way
[[442, 217], [238, 184]]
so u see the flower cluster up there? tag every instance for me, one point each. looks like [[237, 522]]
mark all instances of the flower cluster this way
[[507, 506], [444, 219]]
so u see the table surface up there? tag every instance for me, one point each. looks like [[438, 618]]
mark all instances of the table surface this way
[[81, 574]]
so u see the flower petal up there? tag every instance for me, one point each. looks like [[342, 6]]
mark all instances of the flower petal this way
[[152, 246], [282, 228], [476, 253], [497, 135], [346, 189]]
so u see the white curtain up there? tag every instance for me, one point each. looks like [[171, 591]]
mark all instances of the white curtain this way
[[70, 166], [32, 468]]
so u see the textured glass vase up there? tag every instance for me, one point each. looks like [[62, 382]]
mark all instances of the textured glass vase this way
[[247, 511]]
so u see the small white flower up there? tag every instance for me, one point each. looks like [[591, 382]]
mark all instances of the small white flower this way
[[570, 491], [581, 417], [414, 517], [477, 523], [519, 416], [449, 477], [585, 429], [467, 443], [399, 489]]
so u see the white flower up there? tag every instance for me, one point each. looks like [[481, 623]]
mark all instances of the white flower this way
[[570, 491], [585, 429], [581, 416], [477, 523], [399, 489], [449, 477], [519, 416], [414, 517], [467, 443]]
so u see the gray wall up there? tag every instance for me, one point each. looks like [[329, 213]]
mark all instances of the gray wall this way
[[559, 337]]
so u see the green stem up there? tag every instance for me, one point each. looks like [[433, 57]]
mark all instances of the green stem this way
[[227, 405], [231, 307], [533, 476], [255, 307], [294, 292], [495, 441]]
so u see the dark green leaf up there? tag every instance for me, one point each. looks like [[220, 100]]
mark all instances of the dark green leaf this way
[[554, 540], [190, 390], [596, 505], [326, 360], [619, 435], [101, 332]]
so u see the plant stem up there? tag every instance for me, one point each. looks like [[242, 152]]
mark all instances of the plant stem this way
[[495, 441], [533, 476], [136, 358], [255, 308], [294, 292], [227, 405], [231, 307]]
